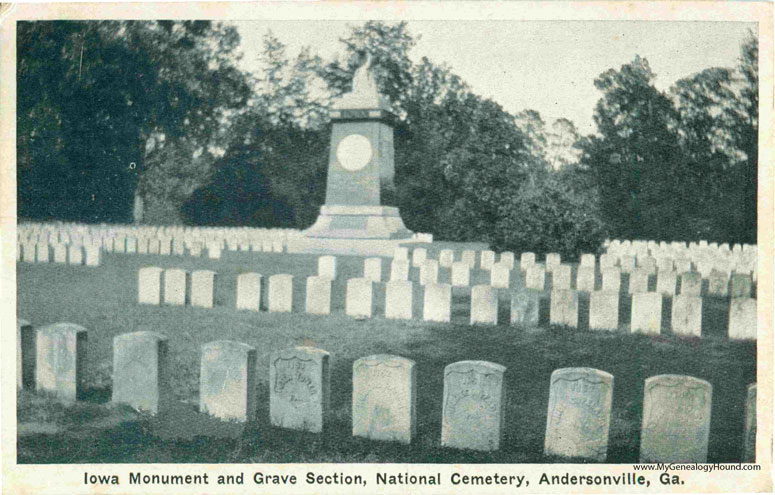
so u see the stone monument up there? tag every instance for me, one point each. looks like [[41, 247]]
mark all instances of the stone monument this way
[[360, 170]]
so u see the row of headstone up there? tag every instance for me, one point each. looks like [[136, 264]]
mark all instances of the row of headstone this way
[[675, 422], [646, 313], [646, 307], [176, 287], [74, 254]]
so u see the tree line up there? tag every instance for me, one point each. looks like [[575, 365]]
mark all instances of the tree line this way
[[111, 110]]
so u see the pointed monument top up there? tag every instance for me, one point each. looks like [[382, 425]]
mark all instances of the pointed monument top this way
[[364, 94]]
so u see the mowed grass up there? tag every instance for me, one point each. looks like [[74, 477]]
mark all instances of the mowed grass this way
[[104, 300]]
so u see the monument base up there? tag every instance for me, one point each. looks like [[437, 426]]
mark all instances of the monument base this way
[[357, 230], [359, 222]]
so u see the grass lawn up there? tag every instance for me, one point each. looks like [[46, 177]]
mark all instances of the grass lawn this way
[[104, 300]]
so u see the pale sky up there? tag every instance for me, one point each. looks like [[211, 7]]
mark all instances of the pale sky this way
[[545, 66]]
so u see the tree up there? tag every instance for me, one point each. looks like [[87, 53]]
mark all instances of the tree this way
[[637, 159], [101, 104]]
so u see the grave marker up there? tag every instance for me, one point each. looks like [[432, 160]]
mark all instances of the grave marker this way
[[227, 380], [691, 284], [564, 308], [140, 376], [585, 278], [318, 299], [384, 398], [579, 414], [300, 387], [676, 420], [612, 279], [446, 258], [553, 260], [742, 318], [398, 300], [372, 269], [500, 276], [327, 267], [604, 310], [60, 360], [472, 416], [429, 272], [686, 317], [484, 305], [175, 282], [666, 283], [437, 302], [525, 307], [203, 288], [249, 291], [646, 313], [461, 274], [399, 270], [149, 285], [359, 299], [526, 260], [561, 277], [535, 277], [281, 293]]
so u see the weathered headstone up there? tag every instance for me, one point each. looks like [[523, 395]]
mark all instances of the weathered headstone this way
[[525, 307], [60, 360], [60, 253], [227, 380], [691, 284], [469, 257], [384, 398], [140, 376], [564, 308], [676, 419], [666, 283], [553, 260], [686, 315], [398, 299], [627, 263], [461, 274], [500, 276], [300, 387], [419, 255], [604, 310], [359, 299], [526, 260], [472, 416], [372, 269], [327, 267], [740, 286], [175, 282], [437, 302], [718, 284], [25, 354], [507, 258], [318, 298], [486, 259], [646, 313], [484, 305], [535, 277], [742, 318], [281, 293], [399, 270], [585, 278], [429, 272], [42, 253], [561, 277], [612, 279], [75, 254], [749, 431], [249, 291], [639, 281], [579, 414], [446, 258], [203, 288], [149, 285]]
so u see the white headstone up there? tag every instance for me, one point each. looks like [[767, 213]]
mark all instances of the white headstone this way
[[507, 258], [646, 313], [372, 269], [561, 277], [604, 310], [585, 278], [249, 291], [525, 307], [60, 360], [399, 270], [419, 255], [469, 257], [446, 258], [318, 299], [742, 318], [500, 276], [676, 420], [486, 259], [686, 315], [579, 415], [327, 267], [691, 284], [149, 285], [140, 375], [429, 272], [526, 260], [281, 293], [564, 308], [484, 305], [553, 260], [300, 387], [359, 300], [639, 281], [384, 398], [461, 274], [473, 413], [535, 277], [437, 302], [203, 288], [175, 282], [667, 282], [227, 380], [398, 300]]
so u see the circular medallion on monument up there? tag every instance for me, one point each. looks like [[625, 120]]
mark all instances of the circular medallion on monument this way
[[354, 152]]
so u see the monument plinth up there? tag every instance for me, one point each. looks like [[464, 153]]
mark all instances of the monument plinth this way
[[360, 168]]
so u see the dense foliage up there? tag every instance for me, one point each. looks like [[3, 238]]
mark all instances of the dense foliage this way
[[111, 110]]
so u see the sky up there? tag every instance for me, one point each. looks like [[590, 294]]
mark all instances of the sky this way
[[548, 66]]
